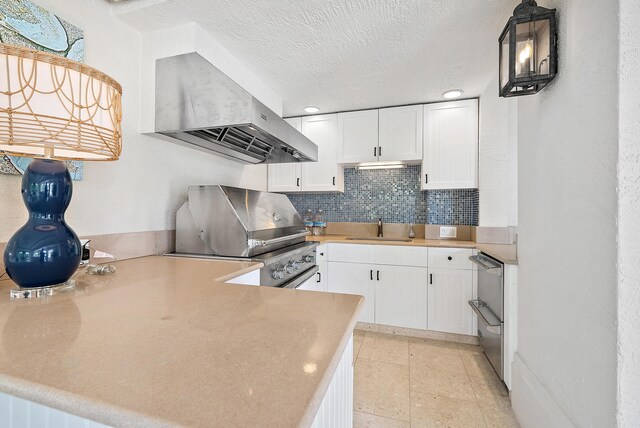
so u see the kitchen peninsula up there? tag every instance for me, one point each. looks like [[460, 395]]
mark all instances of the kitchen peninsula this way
[[164, 341]]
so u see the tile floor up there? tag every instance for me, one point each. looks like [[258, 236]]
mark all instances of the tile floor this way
[[409, 382]]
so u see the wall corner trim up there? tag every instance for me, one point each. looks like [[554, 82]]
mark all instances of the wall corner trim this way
[[532, 402]]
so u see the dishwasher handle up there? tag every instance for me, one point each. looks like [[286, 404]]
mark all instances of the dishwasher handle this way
[[493, 269], [483, 311]]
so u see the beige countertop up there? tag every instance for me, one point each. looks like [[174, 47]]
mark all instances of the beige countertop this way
[[163, 342], [505, 253]]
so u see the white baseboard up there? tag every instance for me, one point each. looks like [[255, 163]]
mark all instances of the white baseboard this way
[[531, 401]]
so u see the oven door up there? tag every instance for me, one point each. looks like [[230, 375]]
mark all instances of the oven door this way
[[301, 279]]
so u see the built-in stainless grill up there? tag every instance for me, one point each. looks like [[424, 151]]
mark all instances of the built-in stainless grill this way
[[240, 224]]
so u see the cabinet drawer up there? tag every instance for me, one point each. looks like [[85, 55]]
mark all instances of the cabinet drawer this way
[[400, 256], [452, 258], [350, 253]]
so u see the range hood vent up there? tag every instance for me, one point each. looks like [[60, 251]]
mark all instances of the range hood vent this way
[[199, 105]]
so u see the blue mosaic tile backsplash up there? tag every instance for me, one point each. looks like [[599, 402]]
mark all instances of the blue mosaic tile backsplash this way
[[394, 195]]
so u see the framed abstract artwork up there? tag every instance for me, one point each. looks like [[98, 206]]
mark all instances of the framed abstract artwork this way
[[24, 23]]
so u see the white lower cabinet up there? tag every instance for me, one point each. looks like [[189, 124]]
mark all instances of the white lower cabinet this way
[[354, 278], [17, 412], [412, 287], [449, 292], [319, 281], [393, 280], [311, 284], [336, 409], [401, 296]]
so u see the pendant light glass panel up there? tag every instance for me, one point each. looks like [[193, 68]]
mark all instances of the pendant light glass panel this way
[[528, 55]]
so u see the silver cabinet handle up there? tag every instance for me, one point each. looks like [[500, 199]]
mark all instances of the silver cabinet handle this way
[[483, 311], [492, 269]]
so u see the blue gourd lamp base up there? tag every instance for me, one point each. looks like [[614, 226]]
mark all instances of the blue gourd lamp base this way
[[45, 251]]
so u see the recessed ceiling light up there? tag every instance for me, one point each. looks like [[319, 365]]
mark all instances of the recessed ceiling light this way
[[311, 109], [454, 93]]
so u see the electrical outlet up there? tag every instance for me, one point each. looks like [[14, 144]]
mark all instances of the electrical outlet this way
[[448, 232]]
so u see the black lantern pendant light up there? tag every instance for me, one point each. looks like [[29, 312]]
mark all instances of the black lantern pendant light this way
[[528, 50]]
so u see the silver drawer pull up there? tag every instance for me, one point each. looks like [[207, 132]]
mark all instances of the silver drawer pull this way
[[492, 269], [483, 311]]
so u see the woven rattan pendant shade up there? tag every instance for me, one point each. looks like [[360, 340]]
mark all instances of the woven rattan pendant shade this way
[[51, 106]]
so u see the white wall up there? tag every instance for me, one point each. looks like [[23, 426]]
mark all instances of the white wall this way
[[498, 150], [628, 222], [567, 153], [142, 190], [497, 163]]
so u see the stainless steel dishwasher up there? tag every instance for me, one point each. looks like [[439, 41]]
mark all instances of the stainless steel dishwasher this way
[[490, 309]]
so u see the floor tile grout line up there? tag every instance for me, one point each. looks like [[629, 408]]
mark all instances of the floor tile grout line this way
[[360, 346], [380, 416], [380, 361]]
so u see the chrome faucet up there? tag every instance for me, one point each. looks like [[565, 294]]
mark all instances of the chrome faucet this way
[[380, 227]]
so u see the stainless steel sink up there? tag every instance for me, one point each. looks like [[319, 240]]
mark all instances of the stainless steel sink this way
[[377, 238]]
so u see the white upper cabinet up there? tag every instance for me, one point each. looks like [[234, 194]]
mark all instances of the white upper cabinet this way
[[296, 122], [358, 136], [286, 177], [326, 175], [400, 136], [389, 134], [450, 153]]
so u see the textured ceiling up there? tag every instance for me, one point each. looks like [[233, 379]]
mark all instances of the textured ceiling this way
[[347, 54]]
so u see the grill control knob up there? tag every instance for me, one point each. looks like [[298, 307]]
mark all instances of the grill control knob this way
[[278, 274], [297, 265], [289, 268], [308, 258]]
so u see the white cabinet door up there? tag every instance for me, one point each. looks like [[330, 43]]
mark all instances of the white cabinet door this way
[[400, 133], [401, 296], [326, 174], [449, 293], [296, 122], [353, 253], [450, 258], [354, 278], [321, 261], [309, 285], [399, 255], [358, 136], [450, 154], [285, 177]]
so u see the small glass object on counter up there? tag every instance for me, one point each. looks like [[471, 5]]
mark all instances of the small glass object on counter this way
[[307, 218], [319, 223]]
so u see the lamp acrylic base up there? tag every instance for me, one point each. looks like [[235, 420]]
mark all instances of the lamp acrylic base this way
[[34, 292]]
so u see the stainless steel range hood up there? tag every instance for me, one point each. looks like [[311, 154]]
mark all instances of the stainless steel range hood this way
[[199, 105]]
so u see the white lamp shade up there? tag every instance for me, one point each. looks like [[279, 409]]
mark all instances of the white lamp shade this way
[[51, 106]]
